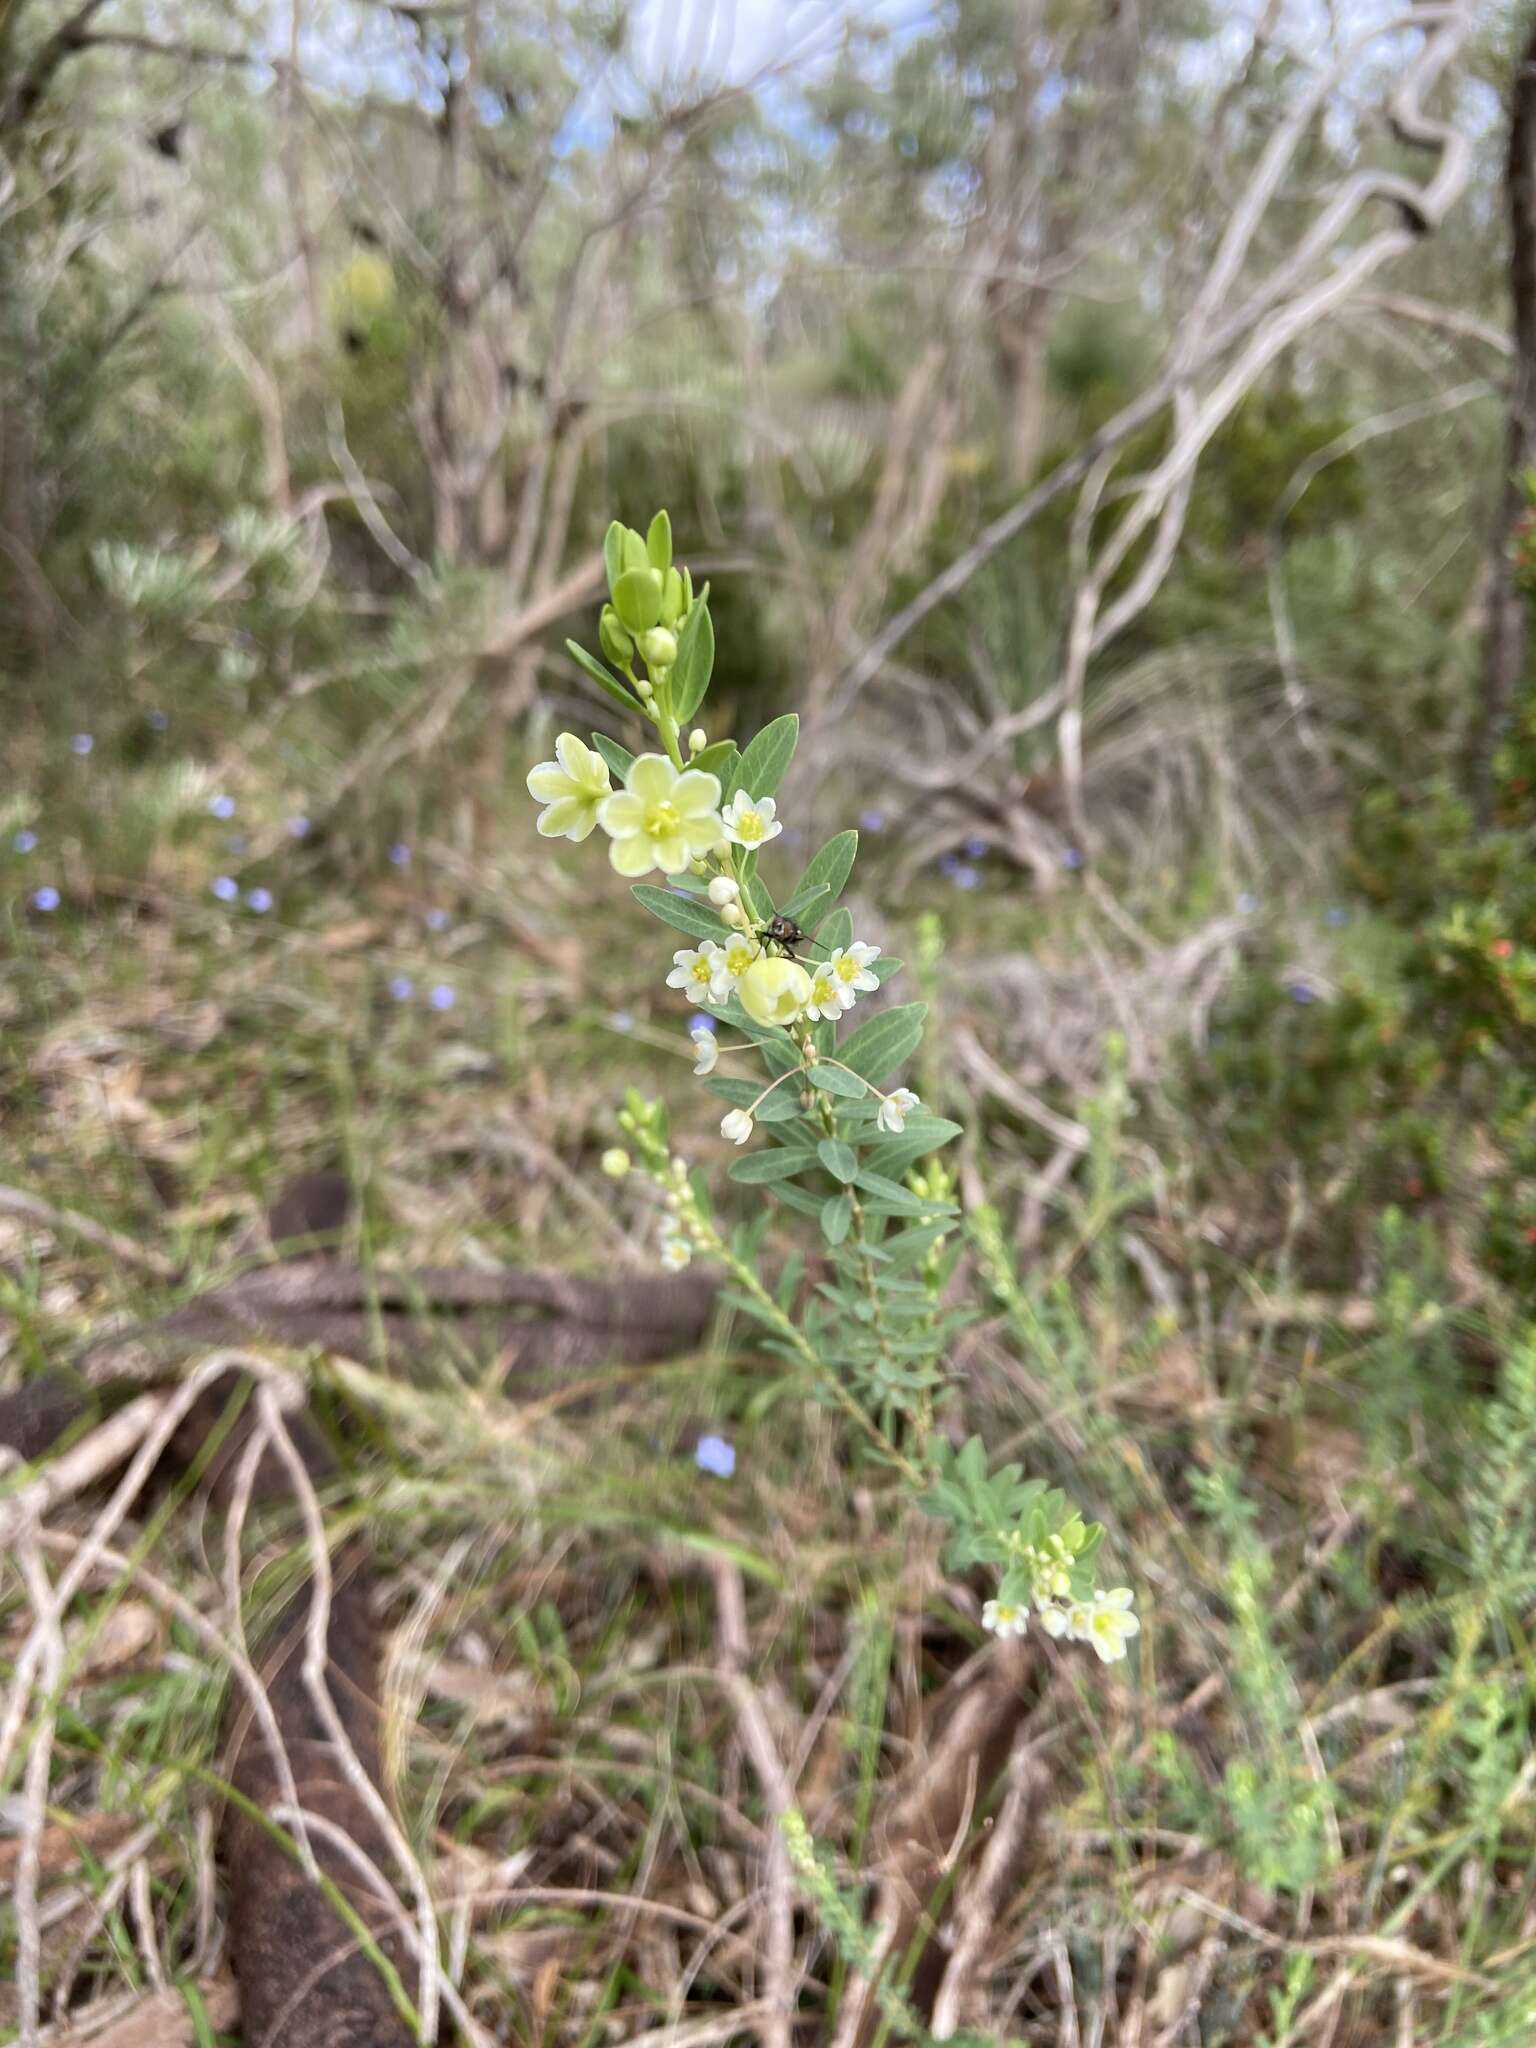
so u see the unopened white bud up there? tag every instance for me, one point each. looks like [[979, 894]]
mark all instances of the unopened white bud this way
[[734, 915], [723, 890], [615, 1162], [698, 740]]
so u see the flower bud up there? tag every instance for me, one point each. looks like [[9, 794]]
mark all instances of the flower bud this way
[[637, 599], [615, 1162], [613, 639], [736, 1125], [722, 890], [659, 647], [735, 917], [698, 740]]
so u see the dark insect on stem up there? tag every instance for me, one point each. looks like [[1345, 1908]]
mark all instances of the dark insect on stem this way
[[784, 933]]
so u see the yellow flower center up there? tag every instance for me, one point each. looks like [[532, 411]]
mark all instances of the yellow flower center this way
[[821, 990], [749, 825], [661, 820], [701, 970], [846, 969]]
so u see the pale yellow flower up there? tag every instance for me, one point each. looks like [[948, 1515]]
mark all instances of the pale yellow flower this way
[[774, 990], [572, 786], [661, 819]]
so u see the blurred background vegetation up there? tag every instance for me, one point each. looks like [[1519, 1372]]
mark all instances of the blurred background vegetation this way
[[331, 337]]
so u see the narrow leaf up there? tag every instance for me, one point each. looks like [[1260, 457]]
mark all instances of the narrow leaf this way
[[885, 1041], [839, 1159], [613, 553], [694, 665], [602, 677], [782, 1163], [831, 868], [681, 912], [833, 1081], [765, 762], [836, 1215], [720, 759], [619, 759]]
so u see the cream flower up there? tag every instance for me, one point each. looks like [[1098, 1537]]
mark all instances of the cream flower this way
[[675, 1251], [849, 968], [826, 998], [750, 820], [661, 819], [696, 969], [732, 962], [1054, 1620], [736, 1125], [1111, 1624], [706, 1052], [774, 990], [1004, 1620], [573, 786], [895, 1109]]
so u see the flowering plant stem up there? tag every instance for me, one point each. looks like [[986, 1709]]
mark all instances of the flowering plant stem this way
[[841, 1143]]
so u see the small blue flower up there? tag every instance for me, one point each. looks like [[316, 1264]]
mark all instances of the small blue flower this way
[[713, 1454], [1247, 904], [441, 996], [298, 828], [81, 744], [400, 854], [436, 920], [964, 876], [402, 988], [259, 900], [1336, 914], [623, 1020], [156, 720], [47, 898], [872, 821], [1300, 993], [1071, 857], [949, 862], [221, 806], [24, 842], [977, 848], [225, 887], [700, 1021]]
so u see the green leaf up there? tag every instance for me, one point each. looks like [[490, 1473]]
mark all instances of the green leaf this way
[[797, 1198], [832, 1081], [828, 869], [783, 1106], [720, 759], [619, 759], [839, 1159], [602, 677], [658, 543], [782, 1163], [836, 1215], [681, 912], [885, 1041], [613, 553], [835, 930], [637, 599], [765, 761], [694, 665], [895, 1200]]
